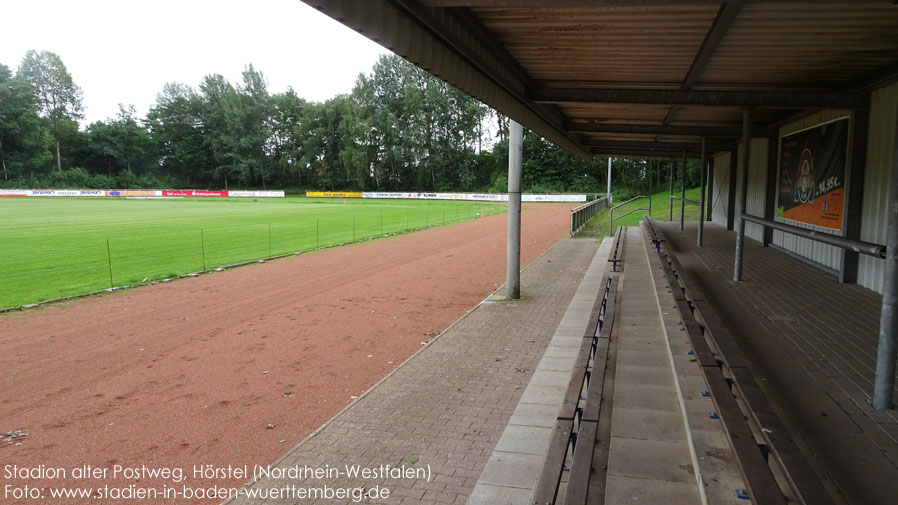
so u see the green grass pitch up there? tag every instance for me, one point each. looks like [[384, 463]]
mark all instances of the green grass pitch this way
[[52, 247]]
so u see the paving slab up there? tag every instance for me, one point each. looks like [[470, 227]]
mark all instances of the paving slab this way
[[525, 440], [534, 414], [650, 459], [630, 395], [499, 495], [647, 424], [621, 489], [526, 469]]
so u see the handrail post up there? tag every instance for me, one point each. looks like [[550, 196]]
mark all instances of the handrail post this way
[[611, 221]]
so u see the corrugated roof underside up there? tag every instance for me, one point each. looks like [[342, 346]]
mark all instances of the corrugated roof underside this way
[[786, 44], [603, 46]]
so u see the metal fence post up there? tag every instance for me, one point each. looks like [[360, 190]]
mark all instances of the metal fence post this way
[[203, 246], [109, 262]]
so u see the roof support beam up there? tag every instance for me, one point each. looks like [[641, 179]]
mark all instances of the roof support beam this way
[[644, 145], [555, 3], [725, 17], [776, 100], [650, 129], [643, 153]]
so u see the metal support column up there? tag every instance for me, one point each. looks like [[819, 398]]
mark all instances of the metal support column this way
[[710, 183], [608, 192], [744, 149], [771, 188], [670, 197], [648, 172], [683, 192], [513, 261], [887, 351], [701, 199]]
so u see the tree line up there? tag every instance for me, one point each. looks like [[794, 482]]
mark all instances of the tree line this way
[[400, 128]]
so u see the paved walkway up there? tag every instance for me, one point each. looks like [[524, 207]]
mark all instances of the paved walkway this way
[[812, 342], [443, 410]]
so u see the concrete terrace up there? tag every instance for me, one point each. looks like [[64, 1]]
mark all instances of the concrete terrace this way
[[813, 342]]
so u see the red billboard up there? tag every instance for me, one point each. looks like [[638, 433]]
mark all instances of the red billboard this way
[[193, 192]]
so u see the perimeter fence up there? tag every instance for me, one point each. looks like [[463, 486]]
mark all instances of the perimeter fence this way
[[54, 267]]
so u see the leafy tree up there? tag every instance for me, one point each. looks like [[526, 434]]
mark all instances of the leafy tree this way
[[175, 124], [24, 138], [121, 143], [59, 97], [218, 101], [284, 144], [400, 128], [248, 120]]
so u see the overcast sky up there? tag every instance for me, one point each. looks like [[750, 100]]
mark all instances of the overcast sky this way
[[124, 52]]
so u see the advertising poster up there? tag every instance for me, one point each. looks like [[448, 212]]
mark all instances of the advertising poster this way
[[812, 175], [333, 194]]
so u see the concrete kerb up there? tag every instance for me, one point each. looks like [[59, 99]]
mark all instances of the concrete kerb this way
[[423, 348]]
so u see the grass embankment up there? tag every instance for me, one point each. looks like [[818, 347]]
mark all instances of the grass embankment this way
[[52, 247], [598, 225]]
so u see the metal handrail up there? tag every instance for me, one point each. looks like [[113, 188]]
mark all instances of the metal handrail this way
[[868, 248], [580, 215], [690, 202], [611, 211]]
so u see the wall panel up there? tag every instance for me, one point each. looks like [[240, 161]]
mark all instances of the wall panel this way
[[720, 189], [880, 156]]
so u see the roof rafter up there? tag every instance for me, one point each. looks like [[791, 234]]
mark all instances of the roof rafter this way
[[645, 153], [722, 22], [652, 129], [774, 100], [648, 144]]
